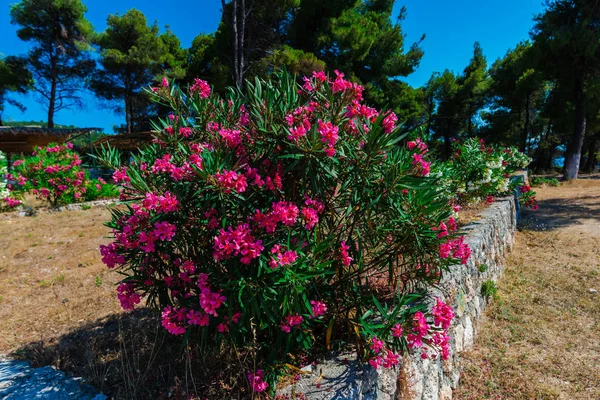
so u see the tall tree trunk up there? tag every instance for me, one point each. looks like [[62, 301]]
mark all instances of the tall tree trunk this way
[[592, 160], [549, 165], [241, 47], [525, 133], [128, 99], [52, 102], [447, 145], [573, 153], [236, 72], [541, 150]]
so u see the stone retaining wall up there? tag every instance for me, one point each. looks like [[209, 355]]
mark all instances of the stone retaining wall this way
[[339, 377], [29, 211]]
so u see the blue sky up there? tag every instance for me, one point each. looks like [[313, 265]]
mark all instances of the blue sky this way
[[451, 28]]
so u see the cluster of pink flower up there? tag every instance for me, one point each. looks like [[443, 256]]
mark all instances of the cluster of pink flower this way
[[310, 213], [382, 356], [389, 122], [256, 381], [127, 296], [164, 165], [281, 212], [339, 84], [456, 248], [111, 256], [281, 256], [299, 122], [231, 137], [318, 308], [120, 176], [344, 256], [201, 87], [423, 334], [329, 136], [290, 322], [446, 227], [422, 166], [163, 231], [173, 320], [237, 242], [230, 180], [10, 202], [161, 203], [318, 77]]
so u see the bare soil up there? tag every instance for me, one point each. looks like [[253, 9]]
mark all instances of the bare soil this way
[[540, 339]]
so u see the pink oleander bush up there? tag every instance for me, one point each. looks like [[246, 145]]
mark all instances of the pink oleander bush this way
[[54, 174], [288, 219]]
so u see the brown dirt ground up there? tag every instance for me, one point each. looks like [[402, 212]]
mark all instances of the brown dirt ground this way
[[540, 339], [51, 275]]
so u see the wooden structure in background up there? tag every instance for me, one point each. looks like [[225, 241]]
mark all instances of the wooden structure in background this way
[[23, 139]]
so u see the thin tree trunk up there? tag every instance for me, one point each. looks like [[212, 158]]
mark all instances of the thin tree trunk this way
[[447, 145], [591, 156], [236, 65], [52, 102], [128, 124], [573, 153], [241, 45], [525, 134], [541, 152]]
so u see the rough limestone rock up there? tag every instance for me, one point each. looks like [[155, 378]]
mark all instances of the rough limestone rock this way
[[18, 381], [341, 377]]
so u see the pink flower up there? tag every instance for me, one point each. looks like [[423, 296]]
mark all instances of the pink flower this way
[[170, 321], [376, 345], [164, 230], [230, 180], [318, 308], [120, 176], [329, 134], [376, 362], [164, 82], [110, 256], [397, 331], [457, 248], [201, 87], [127, 296], [319, 76], [442, 314], [197, 318], [389, 122], [256, 381], [285, 327], [346, 259], [185, 131], [237, 242], [310, 217], [391, 359]]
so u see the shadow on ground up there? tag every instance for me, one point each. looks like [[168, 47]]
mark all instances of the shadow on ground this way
[[130, 356], [558, 213]]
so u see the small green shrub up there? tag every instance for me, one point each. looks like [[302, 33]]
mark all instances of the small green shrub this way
[[540, 181], [489, 290], [483, 268]]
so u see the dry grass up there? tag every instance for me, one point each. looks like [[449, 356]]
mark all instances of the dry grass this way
[[51, 275], [540, 340]]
